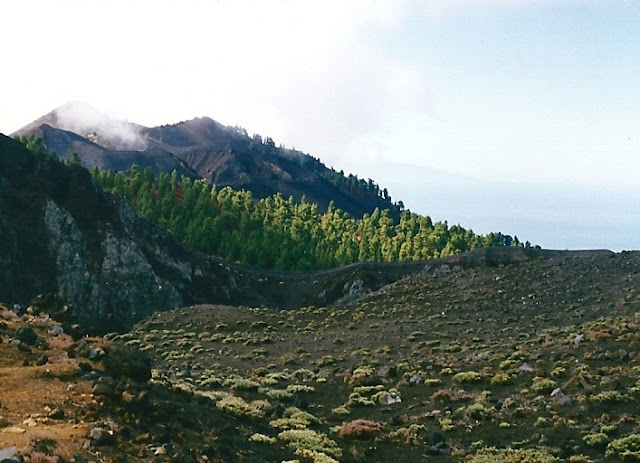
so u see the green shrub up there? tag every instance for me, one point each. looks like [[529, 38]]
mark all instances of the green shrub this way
[[242, 384], [492, 455], [467, 377], [294, 418], [598, 439], [608, 397], [341, 411], [478, 411], [306, 439], [500, 378], [541, 385], [627, 448], [264, 439], [446, 424]]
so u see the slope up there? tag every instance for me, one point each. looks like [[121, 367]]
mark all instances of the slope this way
[[539, 357]]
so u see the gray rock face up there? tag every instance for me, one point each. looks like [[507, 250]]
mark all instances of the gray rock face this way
[[8, 453], [116, 285]]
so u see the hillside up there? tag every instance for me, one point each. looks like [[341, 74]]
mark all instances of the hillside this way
[[534, 361], [62, 236], [204, 148]]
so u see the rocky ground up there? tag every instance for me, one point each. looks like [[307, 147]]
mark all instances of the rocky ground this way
[[536, 361]]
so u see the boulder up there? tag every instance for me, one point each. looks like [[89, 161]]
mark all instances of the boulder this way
[[560, 397], [389, 398], [525, 368], [9, 453]]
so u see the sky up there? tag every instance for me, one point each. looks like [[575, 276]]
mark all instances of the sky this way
[[515, 115]]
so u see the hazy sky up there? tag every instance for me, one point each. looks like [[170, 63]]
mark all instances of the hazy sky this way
[[537, 91]]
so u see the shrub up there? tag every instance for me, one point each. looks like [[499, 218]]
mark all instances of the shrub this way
[[360, 429], [326, 361], [467, 377], [298, 388], [478, 411], [627, 448], [233, 405], [608, 397], [408, 434], [356, 399], [39, 457], [307, 439], [446, 424], [294, 418], [542, 385], [541, 422], [500, 378], [241, 384], [450, 395], [262, 438], [315, 456], [493, 455], [341, 411], [598, 439]]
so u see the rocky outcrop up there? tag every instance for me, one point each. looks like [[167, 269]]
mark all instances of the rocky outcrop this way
[[113, 288]]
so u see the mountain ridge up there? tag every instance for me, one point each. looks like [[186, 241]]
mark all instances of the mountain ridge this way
[[203, 148]]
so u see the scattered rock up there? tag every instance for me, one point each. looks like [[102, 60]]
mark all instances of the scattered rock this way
[[33, 310], [525, 368], [162, 450], [56, 330], [14, 430], [95, 353], [578, 339], [101, 436], [42, 360], [560, 397], [389, 398], [30, 422], [387, 371], [19, 309]]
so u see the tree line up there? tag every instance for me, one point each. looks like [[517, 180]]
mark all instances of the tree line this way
[[280, 233]]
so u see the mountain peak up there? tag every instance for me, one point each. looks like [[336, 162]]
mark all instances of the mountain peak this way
[[86, 121]]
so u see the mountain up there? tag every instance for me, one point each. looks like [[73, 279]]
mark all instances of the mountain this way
[[203, 148]]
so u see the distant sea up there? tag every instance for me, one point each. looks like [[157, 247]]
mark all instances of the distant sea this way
[[552, 216]]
